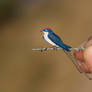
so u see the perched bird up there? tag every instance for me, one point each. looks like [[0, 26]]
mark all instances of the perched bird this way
[[50, 37]]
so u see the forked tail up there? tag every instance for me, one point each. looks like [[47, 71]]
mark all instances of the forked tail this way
[[66, 47]]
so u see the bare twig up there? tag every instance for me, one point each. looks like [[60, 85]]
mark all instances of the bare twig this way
[[42, 49]]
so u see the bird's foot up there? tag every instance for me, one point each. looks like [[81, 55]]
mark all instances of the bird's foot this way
[[45, 49], [54, 48]]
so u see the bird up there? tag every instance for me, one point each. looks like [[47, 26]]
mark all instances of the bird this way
[[50, 37]]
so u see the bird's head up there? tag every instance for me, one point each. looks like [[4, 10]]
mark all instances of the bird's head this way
[[46, 30]]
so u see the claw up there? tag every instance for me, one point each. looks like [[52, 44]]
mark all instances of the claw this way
[[54, 48], [45, 49]]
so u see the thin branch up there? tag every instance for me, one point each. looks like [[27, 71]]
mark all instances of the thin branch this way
[[42, 49]]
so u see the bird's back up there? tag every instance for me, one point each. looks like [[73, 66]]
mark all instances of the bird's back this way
[[57, 40]]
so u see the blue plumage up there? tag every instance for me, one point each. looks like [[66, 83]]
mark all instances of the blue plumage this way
[[54, 39]]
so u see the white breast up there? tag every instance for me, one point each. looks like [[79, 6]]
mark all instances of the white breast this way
[[47, 39]]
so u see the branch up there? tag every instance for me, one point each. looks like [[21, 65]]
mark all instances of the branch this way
[[43, 49]]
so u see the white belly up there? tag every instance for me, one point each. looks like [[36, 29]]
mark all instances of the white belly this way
[[48, 40]]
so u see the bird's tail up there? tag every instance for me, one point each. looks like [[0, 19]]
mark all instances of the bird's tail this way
[[66, 47]]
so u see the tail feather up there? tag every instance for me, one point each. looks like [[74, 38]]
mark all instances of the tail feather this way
[[66, 47]]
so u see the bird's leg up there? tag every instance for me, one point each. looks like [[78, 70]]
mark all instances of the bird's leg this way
[[54, 47], [44, 49]]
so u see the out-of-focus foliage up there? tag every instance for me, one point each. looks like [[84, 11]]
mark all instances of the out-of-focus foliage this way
[[7, 10]]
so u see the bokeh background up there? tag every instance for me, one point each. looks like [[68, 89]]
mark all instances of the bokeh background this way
[[24, 70]]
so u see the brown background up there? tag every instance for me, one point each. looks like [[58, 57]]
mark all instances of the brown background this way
[[24, 70]]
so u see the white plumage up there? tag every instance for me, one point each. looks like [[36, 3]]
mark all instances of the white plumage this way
[[48, 40]]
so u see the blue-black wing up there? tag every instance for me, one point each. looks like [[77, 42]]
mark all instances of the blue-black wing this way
[[57, 40]]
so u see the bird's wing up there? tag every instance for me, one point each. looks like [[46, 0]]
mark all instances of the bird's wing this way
[[55, 38]]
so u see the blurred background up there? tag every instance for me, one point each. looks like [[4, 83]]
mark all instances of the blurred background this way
[[24, 70]]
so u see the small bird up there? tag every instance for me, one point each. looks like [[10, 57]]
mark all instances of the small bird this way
[[52, 38]]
